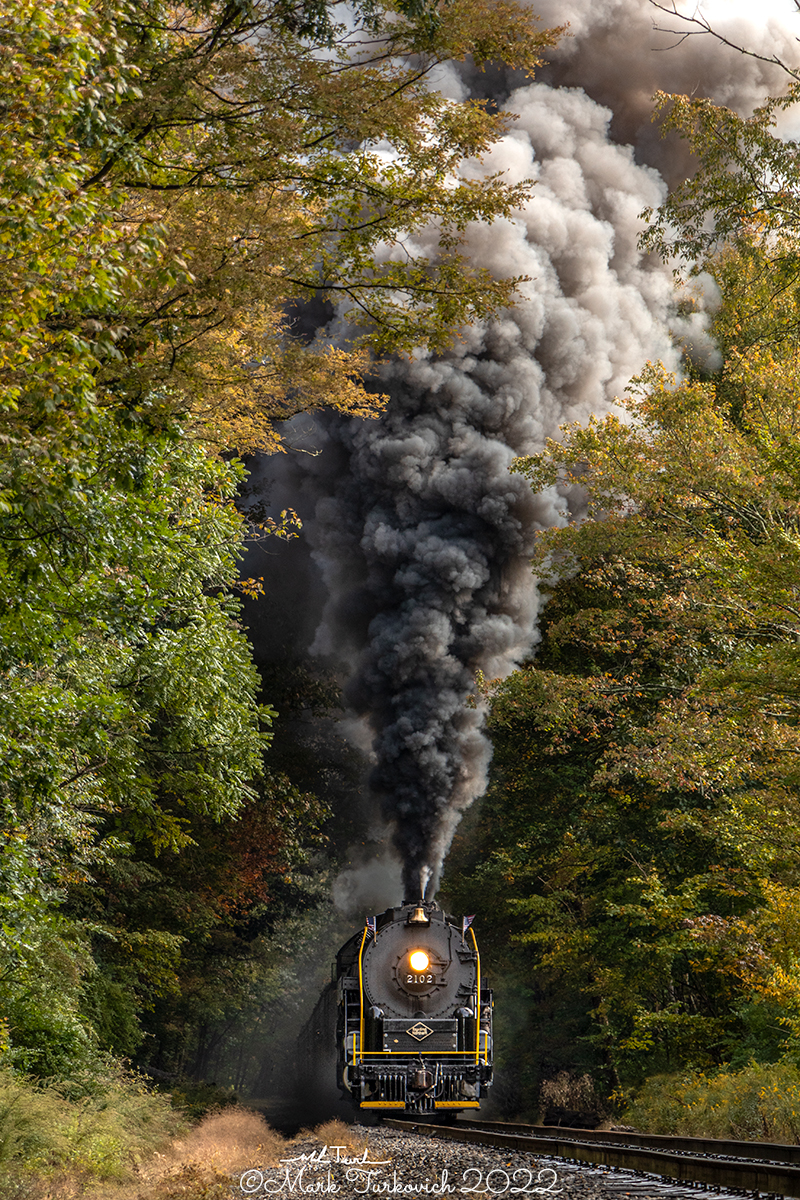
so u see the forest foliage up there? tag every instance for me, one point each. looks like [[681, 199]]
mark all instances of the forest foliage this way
[[638, 851], [176, 181]]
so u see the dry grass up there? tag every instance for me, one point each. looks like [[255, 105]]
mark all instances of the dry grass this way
[[70, 1186], [231, 1140], [336, 1133], [198, 1166], [191, 1182]]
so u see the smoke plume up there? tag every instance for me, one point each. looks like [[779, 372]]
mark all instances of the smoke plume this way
[[619, 52], [421, 537]]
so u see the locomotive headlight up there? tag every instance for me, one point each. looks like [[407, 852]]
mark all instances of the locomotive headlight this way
[[419, 960]]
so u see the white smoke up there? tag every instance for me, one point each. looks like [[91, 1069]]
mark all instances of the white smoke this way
[[622, 51], [421, 535]]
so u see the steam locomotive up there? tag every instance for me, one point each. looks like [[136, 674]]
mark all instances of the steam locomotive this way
[[413, 1017]]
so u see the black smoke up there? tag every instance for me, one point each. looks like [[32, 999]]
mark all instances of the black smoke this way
[[417, 540]]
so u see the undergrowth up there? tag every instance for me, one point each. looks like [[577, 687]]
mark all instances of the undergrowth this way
[[761, 1102], [336, 1133], [112, 1138], [100, 1125]]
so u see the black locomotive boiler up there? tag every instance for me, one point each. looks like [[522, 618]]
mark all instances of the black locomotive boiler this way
[[413, 1015]]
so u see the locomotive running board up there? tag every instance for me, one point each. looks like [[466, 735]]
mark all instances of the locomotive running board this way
[[402, 1104]]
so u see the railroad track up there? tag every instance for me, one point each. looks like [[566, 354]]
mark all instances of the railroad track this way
[[754, 1168]]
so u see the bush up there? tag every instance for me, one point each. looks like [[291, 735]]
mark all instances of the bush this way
[[570, 1099], [759, 1103], [111, 1137], [199, 1166], [230, 1140], [196, 1100], [336, 1133], [97, 1126]]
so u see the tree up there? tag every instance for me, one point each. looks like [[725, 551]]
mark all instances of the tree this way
[[598, 849], [195, 170], [640, 840], [175, 179], [126, 689]]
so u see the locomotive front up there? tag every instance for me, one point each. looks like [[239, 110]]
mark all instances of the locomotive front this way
[[414, 1023]]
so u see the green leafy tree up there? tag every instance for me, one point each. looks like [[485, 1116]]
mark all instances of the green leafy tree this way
[[126, 689], [641, 836], [174, 178]]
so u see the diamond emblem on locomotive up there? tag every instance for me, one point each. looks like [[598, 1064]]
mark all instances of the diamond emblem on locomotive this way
[[409, 1015]]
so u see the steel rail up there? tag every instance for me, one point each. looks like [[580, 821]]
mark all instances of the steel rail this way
[[761, 1151], [688, 1160]]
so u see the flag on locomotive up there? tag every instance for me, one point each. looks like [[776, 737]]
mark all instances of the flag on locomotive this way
[[414, 1018]]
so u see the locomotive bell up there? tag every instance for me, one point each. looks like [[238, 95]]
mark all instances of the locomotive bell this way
[[419, 917]]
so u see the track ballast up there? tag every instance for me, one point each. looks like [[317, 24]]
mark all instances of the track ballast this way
[[751, 1168]]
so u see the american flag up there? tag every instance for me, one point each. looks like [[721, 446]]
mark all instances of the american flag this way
[[372, 924], [465, 924]]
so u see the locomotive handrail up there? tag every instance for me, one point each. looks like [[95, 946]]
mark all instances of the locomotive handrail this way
[[361, 996], [477, 1000], [417, 1050]]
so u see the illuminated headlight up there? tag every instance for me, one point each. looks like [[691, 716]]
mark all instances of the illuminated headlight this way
[[419, 960]]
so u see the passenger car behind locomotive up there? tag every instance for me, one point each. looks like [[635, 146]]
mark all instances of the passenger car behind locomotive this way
[[413, 1017]]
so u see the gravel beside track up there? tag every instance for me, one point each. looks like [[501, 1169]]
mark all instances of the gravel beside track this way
[[401, 1164]]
